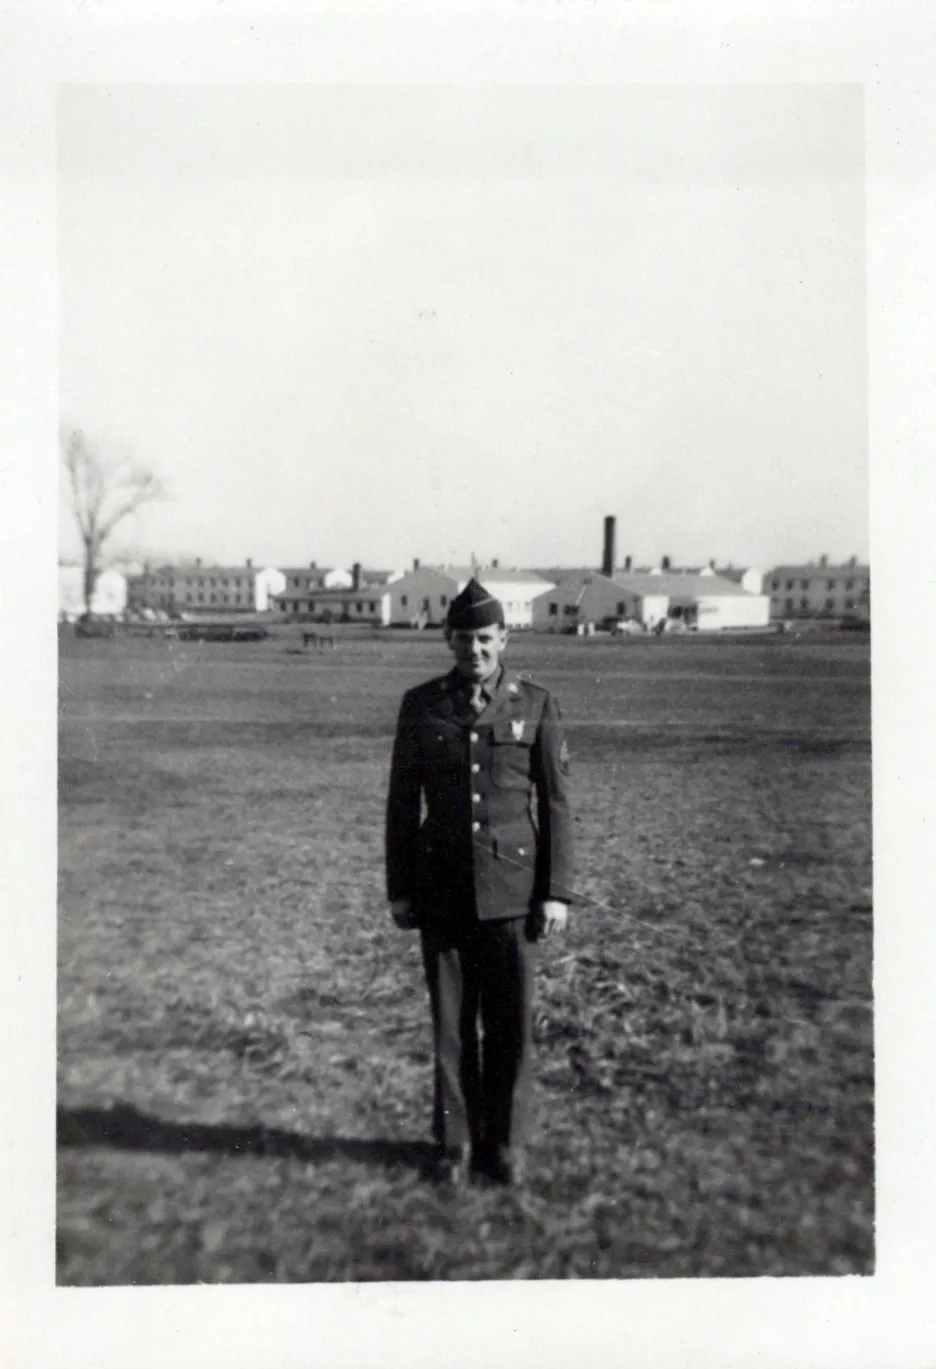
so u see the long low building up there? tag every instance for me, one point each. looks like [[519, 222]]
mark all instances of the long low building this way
[[200, 588], [707, 602], [417, 598]]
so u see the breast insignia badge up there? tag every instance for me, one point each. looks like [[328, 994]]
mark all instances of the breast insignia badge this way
[[516, 728]]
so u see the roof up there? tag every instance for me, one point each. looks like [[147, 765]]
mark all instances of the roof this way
[[340, 592], [674, 583], [491, 575], [378, 577], [189, 568], [316, 572], [859, 568], [579, 577], [670, 584]]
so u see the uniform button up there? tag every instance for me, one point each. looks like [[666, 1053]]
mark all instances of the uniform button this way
[[476, 798], [473, 737], [475, 768], [476, 827]]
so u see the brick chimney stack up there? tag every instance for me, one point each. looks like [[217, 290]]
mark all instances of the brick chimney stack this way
[[607, 561]]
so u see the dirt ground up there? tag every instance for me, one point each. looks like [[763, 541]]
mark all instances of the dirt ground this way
[[244, 1048]]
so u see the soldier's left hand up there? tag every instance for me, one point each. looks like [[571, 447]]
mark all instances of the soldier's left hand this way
[[555, 916]]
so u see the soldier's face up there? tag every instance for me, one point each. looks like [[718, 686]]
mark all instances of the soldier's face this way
[[478, 652]]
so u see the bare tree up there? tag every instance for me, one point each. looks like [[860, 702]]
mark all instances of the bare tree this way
[[102, 493]]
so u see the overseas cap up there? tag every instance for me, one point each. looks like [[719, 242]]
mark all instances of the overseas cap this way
[[475, 607]]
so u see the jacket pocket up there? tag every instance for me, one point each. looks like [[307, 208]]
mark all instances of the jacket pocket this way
[[511, 748]]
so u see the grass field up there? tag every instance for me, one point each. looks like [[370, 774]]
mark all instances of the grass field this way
[[244, 1046]]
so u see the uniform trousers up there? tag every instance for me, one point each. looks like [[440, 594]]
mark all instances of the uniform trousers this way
[[480, 974]]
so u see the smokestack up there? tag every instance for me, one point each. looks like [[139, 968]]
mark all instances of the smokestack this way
[[415, 563], [249, 563], [607, 564], [665, 563], [312, 565], [356, 576], [628, 562], [495, 564]]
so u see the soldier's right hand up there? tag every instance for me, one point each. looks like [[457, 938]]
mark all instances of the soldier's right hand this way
[[401, 910]]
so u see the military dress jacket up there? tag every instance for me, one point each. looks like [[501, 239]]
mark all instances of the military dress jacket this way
[[478, 820]]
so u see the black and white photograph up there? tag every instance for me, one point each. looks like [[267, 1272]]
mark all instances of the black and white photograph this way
[[465, 841], [466, 852]]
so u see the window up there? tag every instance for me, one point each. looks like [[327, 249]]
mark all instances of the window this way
[[403, 601], [214, 598], [789, 584], [443, 600], [553, 610], [775, 584], [830, 604], [201, 584], [226, 598], [804, 602], [372, 605], [805, 584], [294, 580], [188, 595], [359, 607], [237, 598], [849, 584], [849, 603], [225, 580], [212, 582], [831, 584], [570, 610], [621, 609]]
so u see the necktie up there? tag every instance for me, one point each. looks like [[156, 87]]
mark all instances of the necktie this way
[[477, 700]]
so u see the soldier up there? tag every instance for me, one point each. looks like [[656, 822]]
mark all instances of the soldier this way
[[483, 876]]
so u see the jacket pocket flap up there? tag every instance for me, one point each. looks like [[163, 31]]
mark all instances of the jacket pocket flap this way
[[515, 731]]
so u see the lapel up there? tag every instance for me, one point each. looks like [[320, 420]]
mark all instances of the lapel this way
[[444, 706], [506, 700]]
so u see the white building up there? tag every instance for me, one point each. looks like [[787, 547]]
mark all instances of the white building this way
[[109, 598], [422, 595], [201, 588], [820, 590], [706, 602], [303, 579]]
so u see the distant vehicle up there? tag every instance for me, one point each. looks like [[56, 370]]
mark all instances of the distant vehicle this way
[[221, 632], [624, 627], [88, 626]]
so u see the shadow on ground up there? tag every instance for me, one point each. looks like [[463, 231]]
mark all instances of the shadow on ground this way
[[124, 1128]]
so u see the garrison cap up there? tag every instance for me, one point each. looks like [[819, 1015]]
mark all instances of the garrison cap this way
[[475, 607]]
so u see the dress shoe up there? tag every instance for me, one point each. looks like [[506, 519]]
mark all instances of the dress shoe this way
[[506, 1166], [453, 1167]]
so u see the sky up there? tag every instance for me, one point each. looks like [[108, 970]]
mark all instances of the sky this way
[[372, 323]]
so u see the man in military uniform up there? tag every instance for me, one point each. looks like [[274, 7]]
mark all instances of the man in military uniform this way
[[483, 875]]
